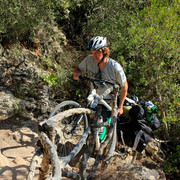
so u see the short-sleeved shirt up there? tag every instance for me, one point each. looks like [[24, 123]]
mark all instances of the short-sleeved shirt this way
[[112, 72]]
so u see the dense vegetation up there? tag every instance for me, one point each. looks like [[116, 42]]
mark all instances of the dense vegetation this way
[[143, 36]]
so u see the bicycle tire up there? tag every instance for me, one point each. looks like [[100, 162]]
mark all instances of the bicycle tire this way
[[62, 105], [66, 142]]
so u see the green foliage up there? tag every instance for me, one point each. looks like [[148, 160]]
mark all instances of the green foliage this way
[[55, 79], [144, 38], [19, 17], [79, 93], [50, 80], [47, 62], [173, 162]]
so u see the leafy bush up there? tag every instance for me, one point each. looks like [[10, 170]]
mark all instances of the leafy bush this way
[[143, 37], [173, 162], [50, 80], [19, 17]]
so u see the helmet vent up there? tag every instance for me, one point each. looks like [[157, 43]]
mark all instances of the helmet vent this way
[[97, 43]]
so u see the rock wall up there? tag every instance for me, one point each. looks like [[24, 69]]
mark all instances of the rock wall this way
[[22, 90]]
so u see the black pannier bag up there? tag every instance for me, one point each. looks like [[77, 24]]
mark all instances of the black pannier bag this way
[[150, 112], [137, 122], [130, 130]]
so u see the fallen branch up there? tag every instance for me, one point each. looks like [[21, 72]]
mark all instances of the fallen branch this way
[[49, 148], [71, 175], [62, 115], [33, 164]]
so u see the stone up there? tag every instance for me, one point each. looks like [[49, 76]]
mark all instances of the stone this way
[[153, 149], [7, 104], [1, 50]]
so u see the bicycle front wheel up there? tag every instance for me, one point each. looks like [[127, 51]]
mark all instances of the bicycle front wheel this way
[[70, 129]]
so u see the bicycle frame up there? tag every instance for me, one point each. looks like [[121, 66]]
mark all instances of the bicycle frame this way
[[48, 126], [94, 98]]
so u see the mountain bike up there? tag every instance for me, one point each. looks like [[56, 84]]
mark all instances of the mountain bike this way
[[70, 128]]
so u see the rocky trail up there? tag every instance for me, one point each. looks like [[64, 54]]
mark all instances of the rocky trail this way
[[18, 137], [17, 143]]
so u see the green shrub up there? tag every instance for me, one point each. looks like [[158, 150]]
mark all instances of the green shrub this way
[[50, 80], [144, 37], [173, 162], [19, 17]]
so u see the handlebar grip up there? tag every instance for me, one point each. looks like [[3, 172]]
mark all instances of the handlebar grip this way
[[83, 77], [80, 77]]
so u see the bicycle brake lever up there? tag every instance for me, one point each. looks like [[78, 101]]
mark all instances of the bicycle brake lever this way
[[80, 77], [102, 83]]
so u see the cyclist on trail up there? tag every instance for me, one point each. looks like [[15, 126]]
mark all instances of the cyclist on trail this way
[[99, 64]]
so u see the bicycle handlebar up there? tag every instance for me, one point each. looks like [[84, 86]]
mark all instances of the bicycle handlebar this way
[[101, 81]]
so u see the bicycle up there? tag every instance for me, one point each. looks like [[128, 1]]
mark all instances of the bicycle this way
[[75, 125]]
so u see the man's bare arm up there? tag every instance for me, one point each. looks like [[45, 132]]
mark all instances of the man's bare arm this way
[[123, 95]]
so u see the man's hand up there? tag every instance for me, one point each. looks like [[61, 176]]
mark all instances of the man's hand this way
[[119, 111], [76, 73], [123, 95], [76, 76]]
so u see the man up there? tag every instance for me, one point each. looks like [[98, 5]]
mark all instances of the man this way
[[99, 64]]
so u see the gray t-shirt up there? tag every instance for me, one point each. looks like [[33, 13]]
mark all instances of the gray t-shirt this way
[[112, 72]]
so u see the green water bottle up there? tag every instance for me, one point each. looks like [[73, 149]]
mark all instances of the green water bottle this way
[[149, 112], [102, 133]]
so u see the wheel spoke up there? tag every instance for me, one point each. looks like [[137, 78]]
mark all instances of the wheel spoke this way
[[69, 130]]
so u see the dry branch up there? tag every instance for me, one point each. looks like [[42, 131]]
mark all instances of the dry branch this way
[[33, 164], [62, 115], [51, 151], [71, 175]]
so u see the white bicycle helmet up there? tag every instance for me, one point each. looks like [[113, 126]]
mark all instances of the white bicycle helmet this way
[[97, 43]]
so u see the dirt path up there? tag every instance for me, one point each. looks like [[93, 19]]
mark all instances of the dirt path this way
[[18, 137], [17, 146]]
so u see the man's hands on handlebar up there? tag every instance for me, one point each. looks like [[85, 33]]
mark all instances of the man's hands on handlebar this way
[[101, 81], [78, 76], [76, 73]]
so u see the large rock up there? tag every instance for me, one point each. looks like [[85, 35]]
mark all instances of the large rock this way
[[126, 171], [141, 172], [1, 50], [7, 104]]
